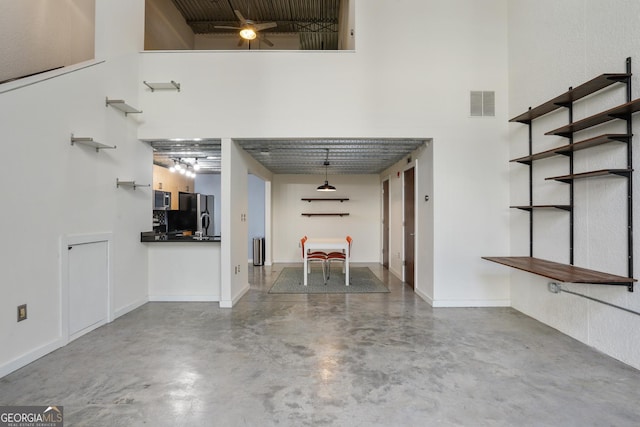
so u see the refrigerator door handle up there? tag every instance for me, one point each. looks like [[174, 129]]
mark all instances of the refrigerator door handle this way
[[205, 220]]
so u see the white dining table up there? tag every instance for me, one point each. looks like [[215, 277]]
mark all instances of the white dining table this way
[[327, 244]]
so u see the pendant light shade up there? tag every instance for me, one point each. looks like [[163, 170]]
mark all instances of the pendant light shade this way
[[326, 186]]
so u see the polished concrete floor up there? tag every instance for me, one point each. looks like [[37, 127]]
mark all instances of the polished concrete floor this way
[[328, 360]]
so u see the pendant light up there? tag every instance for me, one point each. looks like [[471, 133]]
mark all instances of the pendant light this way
[[326, 186]]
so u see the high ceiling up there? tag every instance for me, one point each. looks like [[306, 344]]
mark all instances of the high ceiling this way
[[314, 21], [347, 156]]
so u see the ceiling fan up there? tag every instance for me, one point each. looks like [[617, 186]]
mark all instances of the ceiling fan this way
[[249, 29]]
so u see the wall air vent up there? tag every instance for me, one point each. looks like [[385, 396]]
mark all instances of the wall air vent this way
[[483, 103]]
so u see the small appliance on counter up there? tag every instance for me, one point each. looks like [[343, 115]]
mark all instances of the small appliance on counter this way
[[161, 200]]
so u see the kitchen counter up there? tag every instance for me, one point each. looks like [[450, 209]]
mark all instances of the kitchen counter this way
[[151, 237], [183, 269]]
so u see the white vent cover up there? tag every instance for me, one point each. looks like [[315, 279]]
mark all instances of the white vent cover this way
[[483, 103]]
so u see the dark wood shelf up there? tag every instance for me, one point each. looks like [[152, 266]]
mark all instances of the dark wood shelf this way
[[563, 272], [604, 172], [534, 207], [620, 112], [326, 214], [323, 200], [576, 146], [572, 95]]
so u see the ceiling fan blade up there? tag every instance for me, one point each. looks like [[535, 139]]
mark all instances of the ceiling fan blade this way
[[226, 27], [240, 17], [240, 42], [264, 26], [265, 40]]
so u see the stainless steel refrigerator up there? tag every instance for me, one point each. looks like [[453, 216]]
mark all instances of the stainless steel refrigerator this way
[[199, 207]]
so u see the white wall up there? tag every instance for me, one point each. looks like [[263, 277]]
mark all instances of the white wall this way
[[552, 46], [409, 80], [362, 223], [54, 191], [182, 271], [39, 35], [236, 166]]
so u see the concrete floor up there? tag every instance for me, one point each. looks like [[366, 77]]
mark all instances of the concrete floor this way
[[328, 360]]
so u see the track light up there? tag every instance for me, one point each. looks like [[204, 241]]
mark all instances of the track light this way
[[184, 167]]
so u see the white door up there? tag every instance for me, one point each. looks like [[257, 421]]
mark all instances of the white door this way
[[88, 287]]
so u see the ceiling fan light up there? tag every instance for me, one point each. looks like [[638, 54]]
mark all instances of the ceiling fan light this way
[[248, 34]]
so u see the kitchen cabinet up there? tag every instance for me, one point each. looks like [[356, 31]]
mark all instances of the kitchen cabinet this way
[[165, 180]]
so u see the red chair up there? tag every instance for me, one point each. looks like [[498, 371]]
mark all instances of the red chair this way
[[314, 252], [317, 256], [339, 256]]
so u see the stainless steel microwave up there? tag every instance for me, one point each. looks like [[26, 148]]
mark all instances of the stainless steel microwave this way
[[161, 200]]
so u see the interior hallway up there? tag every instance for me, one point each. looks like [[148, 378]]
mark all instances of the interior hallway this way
[[356, 360]]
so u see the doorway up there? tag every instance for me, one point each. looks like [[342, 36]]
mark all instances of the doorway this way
[[409, 227], [385, 224]]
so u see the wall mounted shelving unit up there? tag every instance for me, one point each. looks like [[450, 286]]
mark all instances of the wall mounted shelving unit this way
[[324, 199], [162, 86], [90, 143], [119, 104], [563, 272], [310, 214]]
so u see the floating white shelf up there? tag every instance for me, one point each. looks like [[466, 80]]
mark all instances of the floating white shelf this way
[[162, 86], [130, 184], [90, 142], [119, 104]]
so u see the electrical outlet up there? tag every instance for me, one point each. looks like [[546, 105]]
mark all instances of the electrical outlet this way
[[22, 312]]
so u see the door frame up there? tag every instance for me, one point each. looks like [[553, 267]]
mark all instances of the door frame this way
[[79, 239], [409, 166], [385, 221]]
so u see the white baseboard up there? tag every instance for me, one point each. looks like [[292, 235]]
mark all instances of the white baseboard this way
[[31, 356], [126, 309], [41, 351], [231, 303], [424, 296], [184, 298], [396, 273], [470, 303]]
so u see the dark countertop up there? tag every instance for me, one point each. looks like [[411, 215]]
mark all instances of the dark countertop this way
[[151, 237]]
